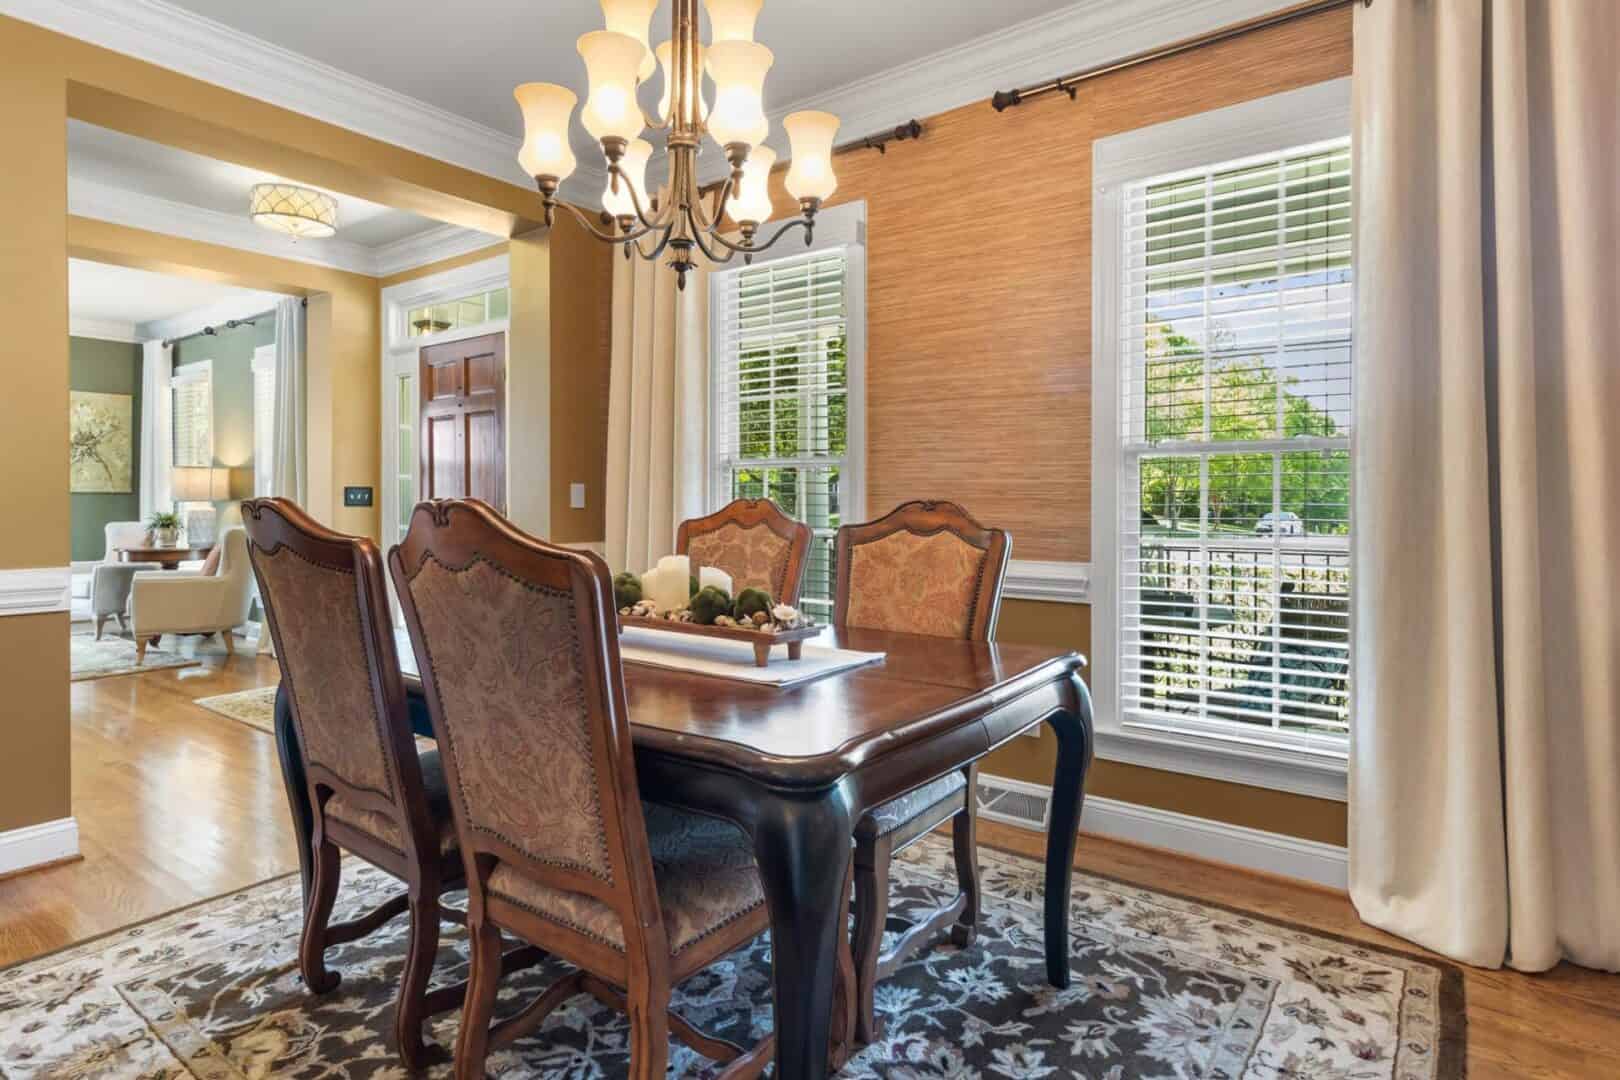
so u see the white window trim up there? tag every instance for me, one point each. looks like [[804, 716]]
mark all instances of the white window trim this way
[[400, 351], [194, 371], [264, 360], [842, 226], [1311, 114]]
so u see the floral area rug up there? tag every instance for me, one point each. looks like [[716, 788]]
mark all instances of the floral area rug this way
[[92, 659], [255, 708], [1163, 987]]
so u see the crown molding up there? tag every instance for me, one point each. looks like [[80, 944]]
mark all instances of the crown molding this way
[[102, 202], [193, 45], [1072, 38], [102, 329]]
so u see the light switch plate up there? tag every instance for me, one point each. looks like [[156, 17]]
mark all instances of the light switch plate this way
[[576, 496]]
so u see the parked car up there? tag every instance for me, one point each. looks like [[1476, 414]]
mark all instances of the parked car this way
[[1283, 523]]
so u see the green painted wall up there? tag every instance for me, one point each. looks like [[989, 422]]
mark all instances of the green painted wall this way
[[106, 367], [232, 354]]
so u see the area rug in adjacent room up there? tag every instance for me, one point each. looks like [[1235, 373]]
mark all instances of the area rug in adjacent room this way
[[92, 659], [1163, 987], [255, 708]]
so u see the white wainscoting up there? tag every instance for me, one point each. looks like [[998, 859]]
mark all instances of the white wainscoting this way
[[36, 845], [1055, 582], [1027, 805], [35, 591]]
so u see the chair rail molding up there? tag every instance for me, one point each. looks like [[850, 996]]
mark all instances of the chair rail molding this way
[[1055, 582], [37, 845], [35, 591]]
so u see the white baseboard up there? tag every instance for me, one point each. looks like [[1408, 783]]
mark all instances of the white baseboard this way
[[36, 845], [1218, 841]]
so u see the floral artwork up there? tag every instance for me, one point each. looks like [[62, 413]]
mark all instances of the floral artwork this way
[[100, 443]]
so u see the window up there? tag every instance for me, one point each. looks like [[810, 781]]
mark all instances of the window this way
[[786, 341], [489, 306], [1231, 358], [264, 418], [193, 390]]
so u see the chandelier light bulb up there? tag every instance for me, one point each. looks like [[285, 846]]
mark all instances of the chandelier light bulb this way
[[738, 69], [634, 166], [666, 61], [631, 18], [611, 63], [732, 20], [810, 176], [752, 201], [547, 108]]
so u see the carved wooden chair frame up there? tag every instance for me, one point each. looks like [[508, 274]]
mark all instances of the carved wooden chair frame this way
[[751, 513]]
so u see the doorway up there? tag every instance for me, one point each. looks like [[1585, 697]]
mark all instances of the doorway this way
[[462, 423]]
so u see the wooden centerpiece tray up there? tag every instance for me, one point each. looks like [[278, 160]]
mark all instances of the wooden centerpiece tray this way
[[762, 640]]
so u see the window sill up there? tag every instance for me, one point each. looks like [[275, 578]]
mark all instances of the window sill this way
[[1318, 774]]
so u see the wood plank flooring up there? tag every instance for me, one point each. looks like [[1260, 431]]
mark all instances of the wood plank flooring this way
[[177, 804]]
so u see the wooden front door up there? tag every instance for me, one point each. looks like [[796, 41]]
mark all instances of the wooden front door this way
[[463, 428]]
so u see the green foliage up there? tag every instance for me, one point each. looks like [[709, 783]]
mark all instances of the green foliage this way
[[709, 604], [163, 519], [691, 586], [626, 590], [749, 601]]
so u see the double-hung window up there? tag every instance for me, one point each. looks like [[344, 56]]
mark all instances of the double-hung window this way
[[192, 387], [785, 344], [1226, 444]]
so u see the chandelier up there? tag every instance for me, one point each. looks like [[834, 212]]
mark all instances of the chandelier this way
[[617, 61]]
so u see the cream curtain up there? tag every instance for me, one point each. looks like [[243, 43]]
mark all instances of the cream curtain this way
[[157, 427], [1485, 781], [657, 410], [289, 463]]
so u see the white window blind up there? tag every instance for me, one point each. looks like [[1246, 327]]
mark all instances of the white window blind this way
[[1235, 367], [264, 419], [193, 389], [781, 396]]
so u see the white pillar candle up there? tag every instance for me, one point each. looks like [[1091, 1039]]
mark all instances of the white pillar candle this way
[[674, 578], [713, 575]]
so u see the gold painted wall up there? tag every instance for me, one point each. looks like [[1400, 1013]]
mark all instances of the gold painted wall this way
[[581, 359]]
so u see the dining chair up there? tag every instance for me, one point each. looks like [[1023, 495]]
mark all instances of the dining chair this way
[[519, 654], [753, 541], [370, 791], [923, 568]]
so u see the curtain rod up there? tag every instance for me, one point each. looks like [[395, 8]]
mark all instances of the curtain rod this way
[[1003, 100], [228, 324]]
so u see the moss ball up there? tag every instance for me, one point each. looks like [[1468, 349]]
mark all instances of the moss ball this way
[[709, 603], [750, 601], [626, 590]]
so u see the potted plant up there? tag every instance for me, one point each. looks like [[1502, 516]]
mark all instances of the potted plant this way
[[165, 528]]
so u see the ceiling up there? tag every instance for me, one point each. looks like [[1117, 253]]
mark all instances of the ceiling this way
[[466, 59], [114, 159], [101, 293]]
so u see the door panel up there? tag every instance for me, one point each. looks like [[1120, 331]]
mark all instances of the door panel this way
[[463, 420]]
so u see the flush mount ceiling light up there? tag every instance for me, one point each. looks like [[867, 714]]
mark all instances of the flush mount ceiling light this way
[[617, 61], [299, 212]]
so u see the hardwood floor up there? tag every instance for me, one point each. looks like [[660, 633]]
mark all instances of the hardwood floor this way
[[177, 804]]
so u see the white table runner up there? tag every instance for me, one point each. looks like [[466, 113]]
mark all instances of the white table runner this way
[[734, 660]]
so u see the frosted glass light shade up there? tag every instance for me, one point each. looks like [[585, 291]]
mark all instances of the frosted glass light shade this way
[[298, 212], [752, 202], [810, 176], [732, 20], [631, 18], [666, 61], [547, 109], [634, 166], [738, 69], [611, 63]]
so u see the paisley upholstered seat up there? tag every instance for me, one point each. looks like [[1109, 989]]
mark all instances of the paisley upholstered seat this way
[[938, 801], [384, 829]]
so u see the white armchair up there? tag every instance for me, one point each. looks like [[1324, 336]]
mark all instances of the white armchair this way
[[182, 603], [110, 581]]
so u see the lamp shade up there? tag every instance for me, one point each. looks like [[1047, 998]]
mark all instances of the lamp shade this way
[[611, 63], [631, 18], [547, 109], [810, 176], [752, 202], [297, 211], [738, 69], [666, 60], [732, 20], [191, 484], [634, 166]]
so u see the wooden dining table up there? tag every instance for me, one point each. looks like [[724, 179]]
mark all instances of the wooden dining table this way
[[796, 768]]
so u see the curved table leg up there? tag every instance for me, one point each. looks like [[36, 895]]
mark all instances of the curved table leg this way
[[1073, 729]]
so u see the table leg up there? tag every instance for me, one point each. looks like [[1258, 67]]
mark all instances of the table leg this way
[[1072, 726], [802, 845], [292, 774]]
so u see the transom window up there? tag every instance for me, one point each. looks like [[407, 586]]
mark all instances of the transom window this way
[[472, 310]]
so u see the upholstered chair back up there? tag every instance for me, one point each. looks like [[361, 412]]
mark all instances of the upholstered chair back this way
[[923, 568], [122, 534], [753, 541], [324, 597], [518, 648]]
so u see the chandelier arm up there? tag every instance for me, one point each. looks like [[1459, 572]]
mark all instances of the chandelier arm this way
[[714, 256], [660, 219], [608, 238], [754, 249], [723, 195]]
